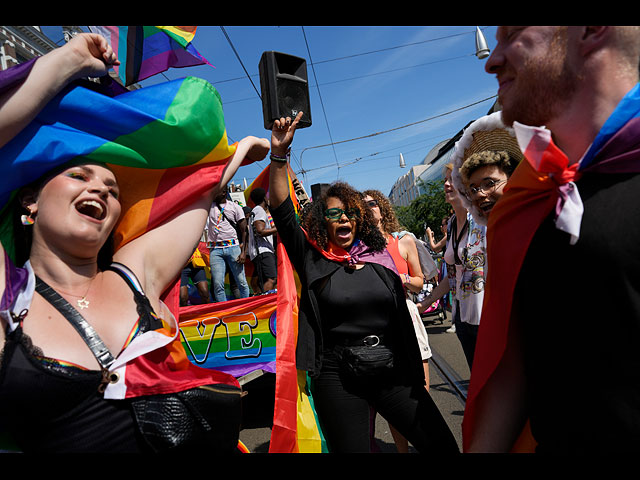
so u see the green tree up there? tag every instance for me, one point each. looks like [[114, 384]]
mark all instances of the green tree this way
[[425, 211]]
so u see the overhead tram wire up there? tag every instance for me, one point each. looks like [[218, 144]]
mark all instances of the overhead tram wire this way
[[392, 129], [240, 60], [321, 102], [371, 52], [245, 70]]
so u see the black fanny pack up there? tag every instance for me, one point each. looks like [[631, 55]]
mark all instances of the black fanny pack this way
[[370, 357]]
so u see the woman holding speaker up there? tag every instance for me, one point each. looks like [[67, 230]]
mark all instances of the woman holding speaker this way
[[352, 306]]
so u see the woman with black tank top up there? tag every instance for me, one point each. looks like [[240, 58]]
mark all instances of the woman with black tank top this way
[[51, 384], [351, 295]]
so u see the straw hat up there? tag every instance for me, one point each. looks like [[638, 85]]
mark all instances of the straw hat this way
[[486, 133]]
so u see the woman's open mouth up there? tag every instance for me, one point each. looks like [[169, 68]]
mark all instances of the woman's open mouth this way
[[92, 209], [343, 232]]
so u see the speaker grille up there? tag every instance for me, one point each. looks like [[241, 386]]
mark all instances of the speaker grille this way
[[292, 97]]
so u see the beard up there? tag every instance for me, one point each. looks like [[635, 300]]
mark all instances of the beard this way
[[543, 87]]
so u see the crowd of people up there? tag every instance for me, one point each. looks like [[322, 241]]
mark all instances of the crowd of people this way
[[547, 184], [232, 234]]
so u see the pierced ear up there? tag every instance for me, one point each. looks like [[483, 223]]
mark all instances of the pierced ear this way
[[29, 199]]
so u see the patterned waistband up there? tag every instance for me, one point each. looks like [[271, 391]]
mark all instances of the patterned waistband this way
[[223, 243]]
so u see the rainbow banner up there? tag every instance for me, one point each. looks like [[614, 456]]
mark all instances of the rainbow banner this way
[[145, 51], [236, 337]]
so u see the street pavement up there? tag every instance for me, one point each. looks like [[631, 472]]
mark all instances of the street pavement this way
[[259, 402]]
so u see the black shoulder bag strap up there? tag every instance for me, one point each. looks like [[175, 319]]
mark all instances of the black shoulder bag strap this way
[[457, 238], [86, 331]]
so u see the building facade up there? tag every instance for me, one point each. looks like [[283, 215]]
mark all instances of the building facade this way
[[412, 184], [22, 43]]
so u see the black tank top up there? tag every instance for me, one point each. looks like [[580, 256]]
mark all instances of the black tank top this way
[[48, 407], [354, 304]]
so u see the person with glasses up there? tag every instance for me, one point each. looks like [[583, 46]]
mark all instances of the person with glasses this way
[[482, 170], [351, 296], [572, 95], [483, 159]]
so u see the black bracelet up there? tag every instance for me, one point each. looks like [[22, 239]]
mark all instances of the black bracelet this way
[[278, 159]]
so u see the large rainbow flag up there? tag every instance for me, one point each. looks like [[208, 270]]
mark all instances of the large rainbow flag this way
[[167, 145], [144, 51], [153, 139], [295, 424]]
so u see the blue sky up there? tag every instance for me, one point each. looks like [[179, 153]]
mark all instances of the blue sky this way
[[394, 79]]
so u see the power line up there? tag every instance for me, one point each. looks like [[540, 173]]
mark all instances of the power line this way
[[368, 53], [393, 48], [402, 126], [320, 96], [240, 60]]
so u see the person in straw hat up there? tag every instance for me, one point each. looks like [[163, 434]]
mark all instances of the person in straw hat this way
[[486, 156], [483, 159]]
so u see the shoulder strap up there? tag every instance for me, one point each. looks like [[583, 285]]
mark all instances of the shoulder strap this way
[[129, 277], [86, 331], [144, 308]]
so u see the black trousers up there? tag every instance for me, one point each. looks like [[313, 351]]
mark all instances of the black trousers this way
[[467, 334], [343, 405]]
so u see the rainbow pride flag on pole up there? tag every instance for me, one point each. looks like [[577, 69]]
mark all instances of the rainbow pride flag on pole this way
[[296, 190], [145, 51], [295, 424]]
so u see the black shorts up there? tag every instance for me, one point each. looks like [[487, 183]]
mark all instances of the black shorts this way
[[196, 274], [265, 264]]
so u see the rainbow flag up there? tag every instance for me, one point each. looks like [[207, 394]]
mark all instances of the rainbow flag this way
[[141, 135], [296, 191], [167, 145], [144, 51], [295, 424]]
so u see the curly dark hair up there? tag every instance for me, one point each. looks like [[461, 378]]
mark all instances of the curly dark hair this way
[[389, 220], [315, 224]]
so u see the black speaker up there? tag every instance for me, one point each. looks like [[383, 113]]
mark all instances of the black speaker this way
[[284, 87], [318, 189]]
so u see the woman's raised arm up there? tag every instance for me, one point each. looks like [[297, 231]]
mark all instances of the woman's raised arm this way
[[87, 54], [281, 138]]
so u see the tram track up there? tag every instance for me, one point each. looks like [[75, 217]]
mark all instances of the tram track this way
[[450, 376]]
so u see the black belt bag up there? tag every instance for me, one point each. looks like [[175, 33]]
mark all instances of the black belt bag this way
[[368, 358], [205, 418]]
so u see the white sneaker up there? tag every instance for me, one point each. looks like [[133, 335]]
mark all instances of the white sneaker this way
[[451, 329]]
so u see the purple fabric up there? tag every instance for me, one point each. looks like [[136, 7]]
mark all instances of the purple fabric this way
[[13, 75], [621, 153], [15, 278], [360, 252]]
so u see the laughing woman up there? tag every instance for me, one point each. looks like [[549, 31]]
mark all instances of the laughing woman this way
[[352, 296], [52, 386]]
